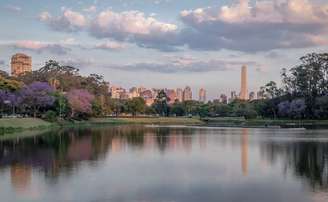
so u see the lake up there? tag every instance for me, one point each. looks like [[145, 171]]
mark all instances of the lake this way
[[166, 164]]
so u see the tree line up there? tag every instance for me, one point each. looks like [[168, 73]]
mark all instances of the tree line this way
[[59, 92]]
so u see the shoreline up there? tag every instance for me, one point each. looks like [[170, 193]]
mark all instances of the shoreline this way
[[11, 126]]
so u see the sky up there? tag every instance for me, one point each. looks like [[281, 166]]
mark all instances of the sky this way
[[166, 43]]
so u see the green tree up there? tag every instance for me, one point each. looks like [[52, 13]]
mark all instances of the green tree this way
[[161, 103], [178, 109], [308, 80], [271, 90], [136, 105], [61, 105]]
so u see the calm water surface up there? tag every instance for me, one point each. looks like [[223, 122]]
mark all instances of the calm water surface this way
[[166, 164]]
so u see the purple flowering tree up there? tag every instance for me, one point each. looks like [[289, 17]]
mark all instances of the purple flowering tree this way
[[80, 101], [3, 97], [297, 108], [37, 95], [284, 109], [9, 99]]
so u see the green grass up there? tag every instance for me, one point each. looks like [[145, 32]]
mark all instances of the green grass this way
[[150, 120], [239, 121], [24, 123]]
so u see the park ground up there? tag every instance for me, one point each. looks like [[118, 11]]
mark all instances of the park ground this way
[[16, 125], [13, 125]]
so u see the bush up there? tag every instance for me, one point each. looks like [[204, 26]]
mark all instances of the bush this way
[[250, 114], [50, 116]]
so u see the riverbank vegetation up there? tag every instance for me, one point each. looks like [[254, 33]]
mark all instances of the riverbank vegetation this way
[[57, 93]]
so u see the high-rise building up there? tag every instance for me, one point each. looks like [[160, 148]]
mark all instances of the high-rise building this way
[[147, 95], [20, 63], [179, 94], [171, 94], [244, 88], [202, 95], [141, 89], [224, 99], [187, 94], [118, 92], [133, 92], [233, 96]]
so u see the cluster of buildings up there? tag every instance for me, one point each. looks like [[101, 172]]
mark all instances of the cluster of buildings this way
[[149, 95], [21, 63], [243, 95]]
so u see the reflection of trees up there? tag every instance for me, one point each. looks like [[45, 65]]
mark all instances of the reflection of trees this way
[[60, 151], [307, 159]]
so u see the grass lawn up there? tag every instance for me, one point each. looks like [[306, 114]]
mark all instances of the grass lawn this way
[[23, 123], [150, 120], [237, 121]]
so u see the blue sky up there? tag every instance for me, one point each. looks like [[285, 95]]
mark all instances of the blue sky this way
[[166, 43]]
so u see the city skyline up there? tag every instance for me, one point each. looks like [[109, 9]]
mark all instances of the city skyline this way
[[167, 43], [22, 63]]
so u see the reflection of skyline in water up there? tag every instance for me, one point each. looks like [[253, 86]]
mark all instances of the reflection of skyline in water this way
[[244, 151], [68, 152]]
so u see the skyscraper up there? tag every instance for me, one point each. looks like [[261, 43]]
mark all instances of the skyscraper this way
[[187, 94], [20, 63], [233, 96], [179, 94], [244, 88], [224, 99], [171, 94], [202, 95]]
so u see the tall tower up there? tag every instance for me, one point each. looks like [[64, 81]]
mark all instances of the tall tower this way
[[244, 88], [20, 63]]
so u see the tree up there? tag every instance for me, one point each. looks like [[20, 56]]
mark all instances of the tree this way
[[178, 109], [80, 101], [321, 108], [297, 108], [61, 105], [9, 84], [270, 90], [308, 80], [161, 103], [136, 105], [37, 95]]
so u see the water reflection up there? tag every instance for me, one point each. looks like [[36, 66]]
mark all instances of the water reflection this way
[[308, 160], [244, 151], [136, 163], [20, 177]]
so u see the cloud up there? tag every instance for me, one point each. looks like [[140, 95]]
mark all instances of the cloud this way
[[265, 26], [39, 47], [110, 45], [70, 21], [128, 26], [242, 26], [69, 41], [13, 8], [135, 27], [172, 65], [185, 65], [2, 62], [90, 9], [78, 62]]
